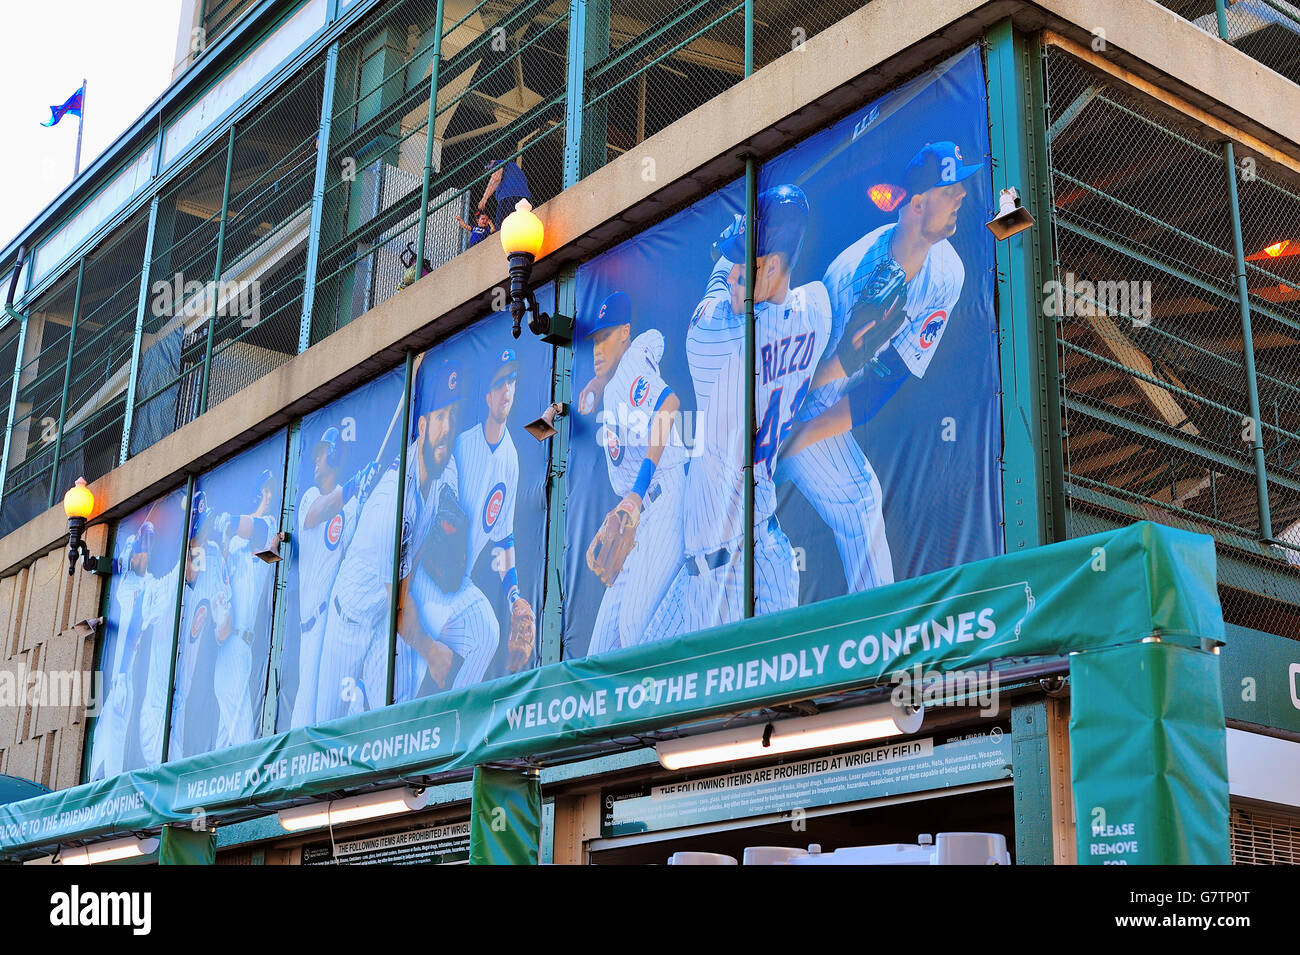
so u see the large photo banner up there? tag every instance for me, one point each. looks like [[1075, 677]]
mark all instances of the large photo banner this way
[[334, 656], [473, 510], [224, 649], [876, 409], [139, 631]]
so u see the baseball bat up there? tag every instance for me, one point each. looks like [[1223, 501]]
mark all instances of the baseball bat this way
[[383, 445]]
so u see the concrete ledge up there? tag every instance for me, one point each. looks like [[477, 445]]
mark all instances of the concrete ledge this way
[[864, 54]]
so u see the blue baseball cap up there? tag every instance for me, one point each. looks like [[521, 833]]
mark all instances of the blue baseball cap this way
[[936, 164], [437, 384], [506, 363], [615, 310]]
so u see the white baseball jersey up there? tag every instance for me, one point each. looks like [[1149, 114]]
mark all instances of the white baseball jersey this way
[[790, 339], [366, 569], [249, 576], [632, 396], [418, 509], [196, 613], [489, 480], [320, 551], [931, 294]]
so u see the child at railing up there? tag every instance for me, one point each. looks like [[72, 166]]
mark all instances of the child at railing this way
[[482, 228]]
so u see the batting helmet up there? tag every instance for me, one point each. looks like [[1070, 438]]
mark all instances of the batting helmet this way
[[782, 222], [333, 443], [263, 479]]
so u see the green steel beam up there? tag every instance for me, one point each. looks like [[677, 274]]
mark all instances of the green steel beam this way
[[67, 384], [279, 621], [1071, 112], [1032, 778], [318, 197], [434, 65], [395, 590], [177, 616], [557, 490], [1248, 346], [216, 271], [13, 404], [1031, 463], [573, 106], [749, 37], [137, 338], [1221, 18]]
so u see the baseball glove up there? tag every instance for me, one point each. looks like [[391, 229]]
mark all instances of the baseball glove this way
[[445, 549], [876, 315], [612, 543], [523, 634]]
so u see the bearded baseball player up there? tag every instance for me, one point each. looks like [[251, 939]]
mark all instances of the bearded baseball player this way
[[791, 332], [892, 293], [638, 549], [327, 520]]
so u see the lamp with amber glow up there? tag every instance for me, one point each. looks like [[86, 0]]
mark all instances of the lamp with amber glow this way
[[521, 238], [79, 504]]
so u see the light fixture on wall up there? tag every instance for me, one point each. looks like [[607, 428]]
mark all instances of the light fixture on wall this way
[[835, 728], [79, 504], [1012, 217], [521, 238], [88, 627], [271, 553], [373, 805], [129, 848], [544, 427]]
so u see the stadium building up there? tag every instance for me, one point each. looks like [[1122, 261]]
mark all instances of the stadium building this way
[[1010, 544]]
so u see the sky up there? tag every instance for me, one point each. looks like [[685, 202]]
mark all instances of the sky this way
[[124, 48]]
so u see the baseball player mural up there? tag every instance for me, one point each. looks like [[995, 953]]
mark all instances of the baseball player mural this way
[[138, 641], [638, 548], [463, 525], [869, 235], [227, 602], [340, 464]]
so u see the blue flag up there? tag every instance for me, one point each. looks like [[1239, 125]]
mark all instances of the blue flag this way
[[73, 106]]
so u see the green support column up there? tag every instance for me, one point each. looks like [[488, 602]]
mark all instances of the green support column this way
[[505, 823], [1248, 349], [184, 846], [138, 336], [1031, 463], [318, 197], [288, 523], [67, 383], [751, 255], [216, 271], [1031, 775], [434, 65], [584, 125], [13, 403], [397, 536], [552, 637]]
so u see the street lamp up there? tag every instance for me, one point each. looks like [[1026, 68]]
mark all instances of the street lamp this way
[[79, 504], [521, 238]]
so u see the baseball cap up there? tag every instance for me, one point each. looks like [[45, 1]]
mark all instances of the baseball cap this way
[[444, 385], [936, 164], [616, 309], [506, 363]]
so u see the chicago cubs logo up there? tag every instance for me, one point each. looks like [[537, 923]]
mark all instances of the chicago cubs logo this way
[[600, 316], [200, 618], [334, 532], [931, 327], [492, 507], [451, 382], [638, 392], [613, 445], [505, 356], [956, 151]]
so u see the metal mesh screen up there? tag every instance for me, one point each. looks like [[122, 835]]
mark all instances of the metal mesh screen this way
[[36, 414], [220, 15], [781, 26], [91, 438], [650, 62], [1154, 395], [174, 339], [1264, 837], [1265, 30]]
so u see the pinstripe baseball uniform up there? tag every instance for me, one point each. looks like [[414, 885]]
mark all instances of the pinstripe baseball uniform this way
[[632, 396], [249, 580], [159, 616], [418, 512], [354, 654], [320, 551], [834, 474], [197, 615], [790, 339]]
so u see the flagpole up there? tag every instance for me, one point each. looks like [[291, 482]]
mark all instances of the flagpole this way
[[81, 121]]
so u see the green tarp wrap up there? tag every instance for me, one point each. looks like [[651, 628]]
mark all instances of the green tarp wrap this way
[[1149, 756], [182, 846], [1261, 679], [505, 821], [1110, 588]]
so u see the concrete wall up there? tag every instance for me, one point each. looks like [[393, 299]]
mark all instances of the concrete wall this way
[[41, 738]]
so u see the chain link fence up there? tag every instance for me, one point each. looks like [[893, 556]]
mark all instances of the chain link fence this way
[[1154, 389], [1265, 30]]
